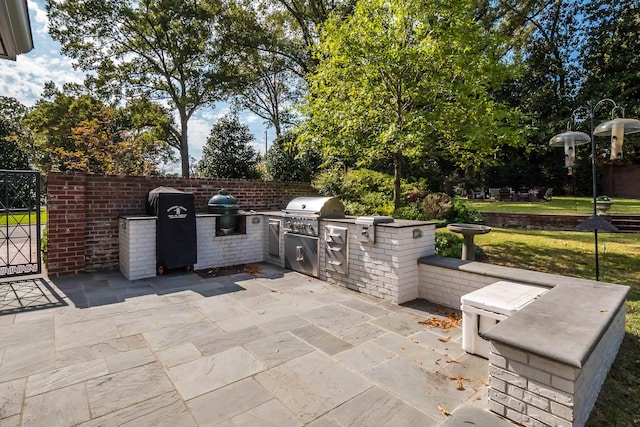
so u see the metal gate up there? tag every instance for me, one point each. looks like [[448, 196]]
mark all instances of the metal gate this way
[[19, 223]]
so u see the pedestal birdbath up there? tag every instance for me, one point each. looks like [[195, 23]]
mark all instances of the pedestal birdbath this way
[[468, 231]]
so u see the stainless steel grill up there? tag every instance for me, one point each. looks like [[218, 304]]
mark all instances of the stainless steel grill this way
[[301, 229], [302, 214]]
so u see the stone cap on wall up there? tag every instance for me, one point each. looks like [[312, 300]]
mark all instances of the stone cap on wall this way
[[565, 324]]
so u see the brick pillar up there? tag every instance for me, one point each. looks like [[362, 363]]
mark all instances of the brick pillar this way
[[66, 223]]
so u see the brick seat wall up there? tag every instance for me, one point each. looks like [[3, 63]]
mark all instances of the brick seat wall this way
[[549, 360]]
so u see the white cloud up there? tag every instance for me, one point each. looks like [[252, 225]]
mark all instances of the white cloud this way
[[222, 112], [25, 78], [197, 134], [250, 118], [39, 15]]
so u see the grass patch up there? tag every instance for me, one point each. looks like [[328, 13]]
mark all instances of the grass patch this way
[[559, 205], [572, 254], [22, 218]]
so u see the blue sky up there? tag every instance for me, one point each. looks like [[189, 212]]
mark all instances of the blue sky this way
[[24, 80]]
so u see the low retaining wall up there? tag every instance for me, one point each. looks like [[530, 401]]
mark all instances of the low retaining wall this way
[[531, 221], [548, 360]]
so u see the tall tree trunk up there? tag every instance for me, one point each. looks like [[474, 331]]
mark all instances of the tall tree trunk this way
[[397, 174], [184, 146]]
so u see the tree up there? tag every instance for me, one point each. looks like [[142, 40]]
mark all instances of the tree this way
[[73, 131], [273, 38], [270, 92], [228, 152], [284, 28], [285, 162], [402, 77], [14, 137], [610, 61], [545, 92], [160, 49]]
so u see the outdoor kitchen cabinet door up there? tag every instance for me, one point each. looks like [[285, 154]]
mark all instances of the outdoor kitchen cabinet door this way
[[301, 253]]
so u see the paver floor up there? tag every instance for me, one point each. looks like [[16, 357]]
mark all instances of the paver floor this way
[[277, 348]]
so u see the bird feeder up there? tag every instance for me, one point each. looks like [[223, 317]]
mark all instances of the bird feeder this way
[[617, 128], [570, 140]]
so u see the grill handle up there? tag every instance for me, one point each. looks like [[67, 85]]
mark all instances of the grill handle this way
[[299, 254]]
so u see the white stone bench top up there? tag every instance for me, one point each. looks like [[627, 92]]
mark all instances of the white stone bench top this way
[[565, 324]]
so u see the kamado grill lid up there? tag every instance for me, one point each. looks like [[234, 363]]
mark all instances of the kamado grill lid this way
[[325, 207], [223, 199]]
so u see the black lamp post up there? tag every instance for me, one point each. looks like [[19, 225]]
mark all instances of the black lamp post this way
[[616, 128]]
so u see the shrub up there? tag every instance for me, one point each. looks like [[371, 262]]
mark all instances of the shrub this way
[[408, 212], [437, 206], [450, 245], [329, 182], [363, 191], [465, 214]]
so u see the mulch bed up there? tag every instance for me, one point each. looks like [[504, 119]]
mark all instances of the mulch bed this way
[[208, 273]]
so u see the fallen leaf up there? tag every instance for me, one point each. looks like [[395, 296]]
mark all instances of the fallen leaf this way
[[453, 361], [603, 310], [453, 320], [478, 398], [460, 386], [438, 362], [274, 290], [252, 269], [277, 350], [415, 340], [483, 382], [444, 411], [444, 339], [401, 348]]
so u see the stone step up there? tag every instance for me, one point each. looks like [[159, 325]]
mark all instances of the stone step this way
[[626, 223]]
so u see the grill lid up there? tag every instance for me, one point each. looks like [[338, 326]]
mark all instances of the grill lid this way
[[324, 207]]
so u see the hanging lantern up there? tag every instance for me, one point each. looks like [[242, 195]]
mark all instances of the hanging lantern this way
[[570, 140], [617, 129]]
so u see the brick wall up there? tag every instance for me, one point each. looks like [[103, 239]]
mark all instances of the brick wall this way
[[533, 221], [445, 286], [387, 269], [621, 181], [533, 390], [84, 209], [137, 244], [222, 251]]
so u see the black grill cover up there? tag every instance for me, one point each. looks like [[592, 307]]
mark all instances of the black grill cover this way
[[176, 242]]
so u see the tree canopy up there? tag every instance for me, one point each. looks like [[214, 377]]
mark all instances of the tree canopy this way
[[228, 152], [15, 138], [286, 162], [402, 77], [74, 131], [153, 49]]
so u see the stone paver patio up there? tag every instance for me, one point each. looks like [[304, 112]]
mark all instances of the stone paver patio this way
[[278, 348]]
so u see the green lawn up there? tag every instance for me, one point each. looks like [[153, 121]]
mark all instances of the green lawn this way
[[572, 254], [21, 218], [559, 205]]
